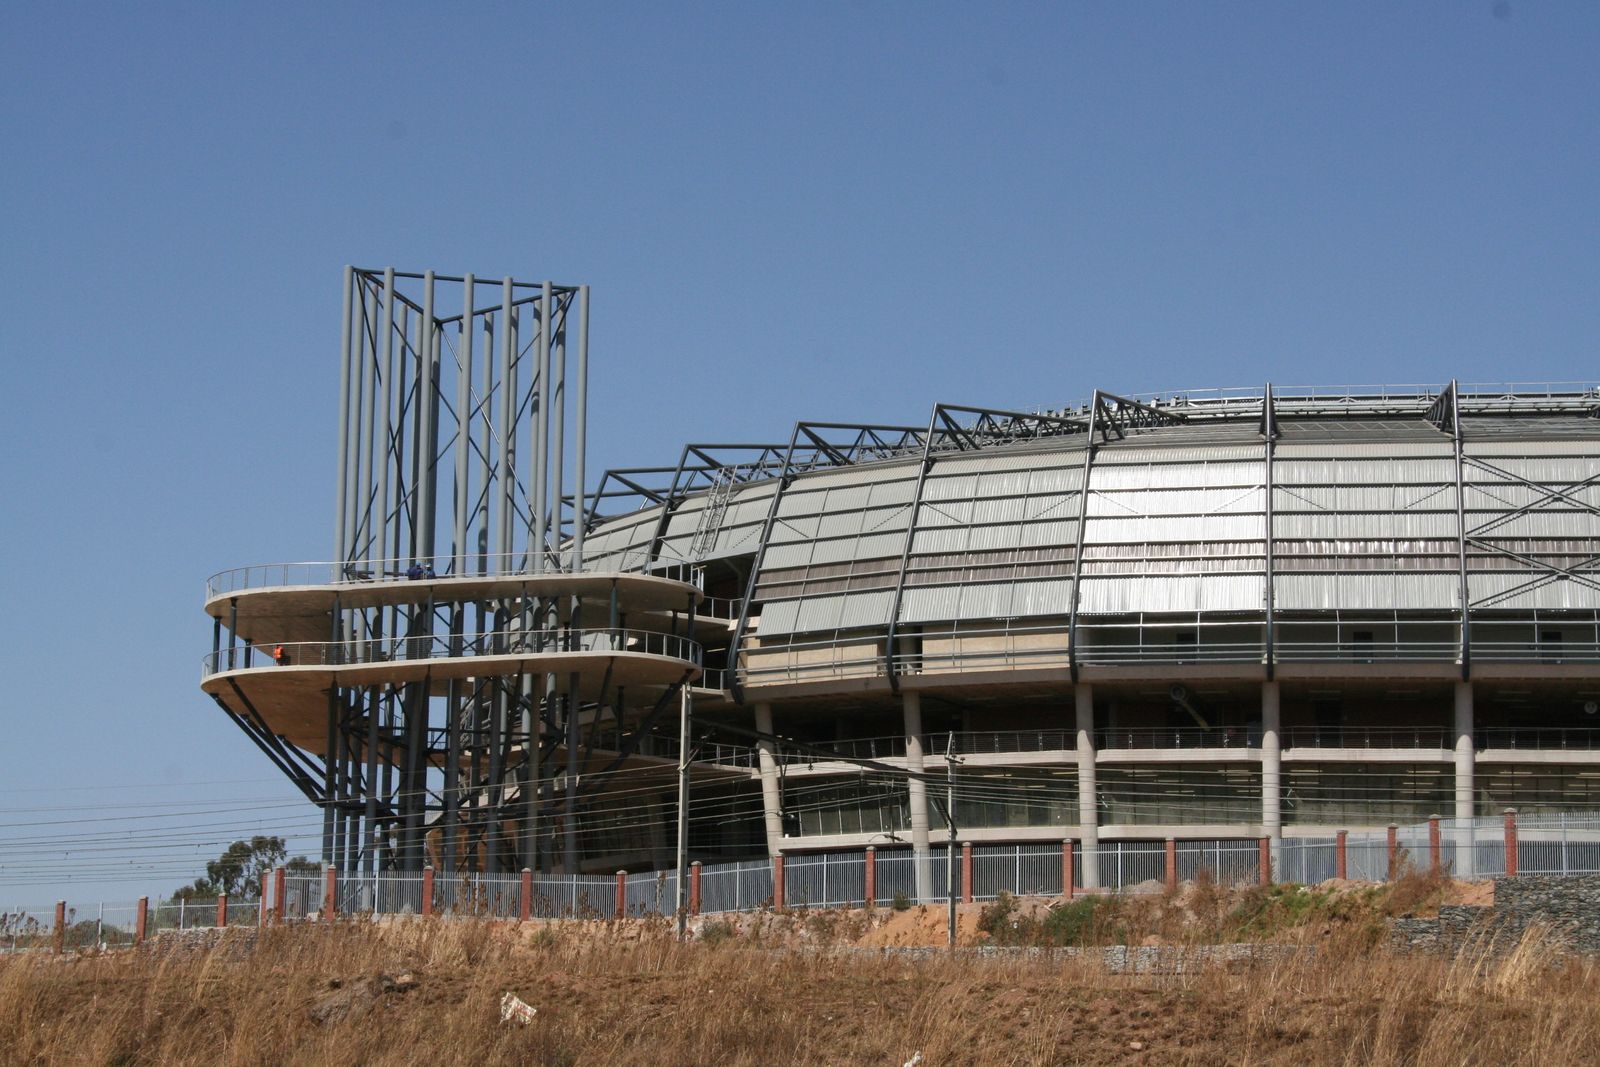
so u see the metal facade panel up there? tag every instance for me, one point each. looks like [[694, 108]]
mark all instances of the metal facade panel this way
[[1565, 525], [1366, 591], [818, 613], [1178, 529], [802, 502], [1334, 525], [1140, 452], [941, 485], [1443, 448], [899, 491], [1385, 471], [778, 618], [988, 600], [782, 557], [1002, 509], [1512, 449], [944, 513], [1231, 500], [842, 523], [1004, 482], [930, 603], [793, 528], [847, 498], [861, 610], [879, 546], [929, 542], [995, 537], [839, 551], [886, 519], [1049, 534], [1172, 593], [1532, 593], [1042, 598], [1047, 481], [859, 474]]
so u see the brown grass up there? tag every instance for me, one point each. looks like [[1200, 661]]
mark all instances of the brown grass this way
[[628, 994]]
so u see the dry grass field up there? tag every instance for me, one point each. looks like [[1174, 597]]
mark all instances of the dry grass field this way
[[627, 993]]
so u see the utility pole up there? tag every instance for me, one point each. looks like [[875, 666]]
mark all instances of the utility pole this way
[[685, 708], [950, 820]]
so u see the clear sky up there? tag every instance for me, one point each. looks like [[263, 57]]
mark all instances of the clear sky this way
[[836, 211]]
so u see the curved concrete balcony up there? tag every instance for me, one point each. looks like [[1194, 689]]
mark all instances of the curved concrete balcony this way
[[291, 695]]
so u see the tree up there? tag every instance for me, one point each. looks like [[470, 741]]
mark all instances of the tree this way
[[239, 870]]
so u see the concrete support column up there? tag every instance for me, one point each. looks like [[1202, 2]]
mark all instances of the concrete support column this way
[[1466, 760], [771, 800], [917, 797], [1271, 767], [1088, 799]]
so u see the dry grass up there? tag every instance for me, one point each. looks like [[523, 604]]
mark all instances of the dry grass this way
[[626, 994]]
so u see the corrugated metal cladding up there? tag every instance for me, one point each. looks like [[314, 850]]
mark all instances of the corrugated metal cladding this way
[[1386, 471], [1533, 591], [862, 474], [1117, 454], [1562, 470], [1375, 590], [1228, 500], [1172, 593], [1335, 525], [1533, 524], [630, 533], [1388, 448]]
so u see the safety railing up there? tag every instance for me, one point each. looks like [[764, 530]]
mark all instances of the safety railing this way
[[1536, 651], [1539, 739], [1426, 737], [445, 646], [412, 568]]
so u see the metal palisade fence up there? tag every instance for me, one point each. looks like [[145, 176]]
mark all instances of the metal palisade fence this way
[[1544, 844]]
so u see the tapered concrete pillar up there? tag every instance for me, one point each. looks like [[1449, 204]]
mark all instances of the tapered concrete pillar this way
[[1466, 759], [917, 797], [1271, 768], [771, 800], [1088, 800]]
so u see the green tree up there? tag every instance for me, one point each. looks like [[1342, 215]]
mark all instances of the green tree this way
[[240, 868]]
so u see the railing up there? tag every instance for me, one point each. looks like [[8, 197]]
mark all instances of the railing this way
[[1538, 738], [1536, 652], [1183, 737], [1365, 651], [444, 646], [412, 568], [1429, 737]]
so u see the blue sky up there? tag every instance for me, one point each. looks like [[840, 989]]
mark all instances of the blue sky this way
[[840, 211]]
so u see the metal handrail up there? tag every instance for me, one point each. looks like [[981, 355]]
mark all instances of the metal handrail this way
[[356, 651], [1416, 737], [1538, 738], [470, 565]]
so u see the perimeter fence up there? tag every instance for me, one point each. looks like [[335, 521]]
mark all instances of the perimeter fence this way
[[895, 876]]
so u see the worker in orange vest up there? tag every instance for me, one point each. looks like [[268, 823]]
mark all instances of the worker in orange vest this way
[[279, 656]]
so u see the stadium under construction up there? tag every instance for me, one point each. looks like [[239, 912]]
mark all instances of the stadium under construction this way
[[1203, 615]]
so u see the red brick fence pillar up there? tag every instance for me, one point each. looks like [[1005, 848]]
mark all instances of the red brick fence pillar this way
[[222, 911], [622, 894], [871, 892], [777, 883], [1339, 845], [694, 888], [1394, 852], [1067, 876], [330, 894], [141, 920], [61, 927], [1435, 846], [966, 872], [427, 891], [1264, 860], [1511, 842], [525, 900], [1172, 864]]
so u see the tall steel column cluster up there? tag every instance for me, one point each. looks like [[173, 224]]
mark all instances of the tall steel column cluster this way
[[453, 427]]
